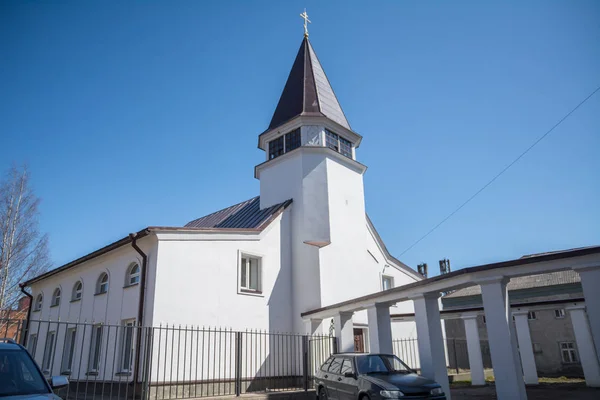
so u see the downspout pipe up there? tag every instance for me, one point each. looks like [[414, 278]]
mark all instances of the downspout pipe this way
[[26, 330], [138, 353]]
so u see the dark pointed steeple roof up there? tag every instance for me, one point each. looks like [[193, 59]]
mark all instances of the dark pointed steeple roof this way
[[307, 91]]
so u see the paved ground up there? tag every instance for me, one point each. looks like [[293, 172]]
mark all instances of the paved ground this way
[[544, 391]]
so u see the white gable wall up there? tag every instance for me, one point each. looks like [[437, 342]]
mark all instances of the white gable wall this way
[[198, 277]]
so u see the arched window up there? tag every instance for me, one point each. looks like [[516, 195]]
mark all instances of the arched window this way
[[55, 298], [102, 286], [133, 274], [77, 291], [39, 300]]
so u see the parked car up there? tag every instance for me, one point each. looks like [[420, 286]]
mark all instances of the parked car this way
[[21, 378], [359, 376]]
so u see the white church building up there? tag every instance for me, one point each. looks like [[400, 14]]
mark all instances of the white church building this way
[[303, 243]]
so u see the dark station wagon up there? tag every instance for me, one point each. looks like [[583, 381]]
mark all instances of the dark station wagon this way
[[359, 376]]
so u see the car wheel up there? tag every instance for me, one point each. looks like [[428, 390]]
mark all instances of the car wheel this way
[[323, 394], [365, 397]]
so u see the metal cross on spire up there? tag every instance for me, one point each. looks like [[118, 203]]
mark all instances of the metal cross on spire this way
[[304, 16]]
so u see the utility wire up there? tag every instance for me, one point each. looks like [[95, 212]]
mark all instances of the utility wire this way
[[501, 172]]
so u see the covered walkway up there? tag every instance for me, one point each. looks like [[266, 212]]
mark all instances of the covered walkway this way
[[512, 368]]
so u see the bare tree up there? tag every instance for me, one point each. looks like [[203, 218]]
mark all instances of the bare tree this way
[[23, 249]]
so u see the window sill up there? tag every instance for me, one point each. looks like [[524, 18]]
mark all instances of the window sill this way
[[65, 373], [123, 373], [54, 305], [246, 292], [100, 293], [131, 285], [91, 373], [75, 300]]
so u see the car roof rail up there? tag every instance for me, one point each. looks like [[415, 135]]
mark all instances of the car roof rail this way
[[8, 340]]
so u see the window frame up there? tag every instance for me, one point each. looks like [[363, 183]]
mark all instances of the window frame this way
[[284, 143], [56, 295], [68, 356], [559, 313], [49, 349], [570, 350], [95, 353], [100, 283], [245, 289], [136, 276], [334, 141], [389, 278], [531, 315], [127, 325], [32, 344], [75, 292], [39, 302]]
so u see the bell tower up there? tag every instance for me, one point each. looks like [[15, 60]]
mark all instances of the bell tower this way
[[310, 152]]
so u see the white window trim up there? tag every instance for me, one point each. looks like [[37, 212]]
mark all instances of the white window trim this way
[[93, 340], [99, 284], [49, 349], [69, 340], [131, 275], [573, 349], [39, 302], [561, 312], [532, 314], [75, 291], [261, 288], [55, 297], [384, 276], [124, 324]]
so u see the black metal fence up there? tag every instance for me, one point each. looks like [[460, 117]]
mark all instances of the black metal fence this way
[[173, 362], [458, 355]]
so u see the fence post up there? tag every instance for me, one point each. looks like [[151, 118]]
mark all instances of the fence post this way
[[305, 360], [238, 363]]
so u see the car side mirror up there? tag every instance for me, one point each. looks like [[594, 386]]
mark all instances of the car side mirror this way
[[57, 382], [349, 375]]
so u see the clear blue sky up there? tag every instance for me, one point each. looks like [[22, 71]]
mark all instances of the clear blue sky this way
[[147, 113]]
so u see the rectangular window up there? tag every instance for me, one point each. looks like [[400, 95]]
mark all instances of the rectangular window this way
[[292, 140], [531, 315], [68, 351], [48, 352], [275, 147], [560, 313], [32, 345], [387, 282], [568, 353], [250, 274], [483, 319], [332, 140], [338, 143], [345, 147], [95, 348], [127, 345]]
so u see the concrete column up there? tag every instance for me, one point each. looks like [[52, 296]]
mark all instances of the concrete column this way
[[474, 349], [501, 336], [344, 332], [380, 329], [313, 326], [430, 340], [585, 345], [590, 281], [525, 348]]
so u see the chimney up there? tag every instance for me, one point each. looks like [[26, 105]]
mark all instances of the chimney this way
[[444, 266], [422, 268]]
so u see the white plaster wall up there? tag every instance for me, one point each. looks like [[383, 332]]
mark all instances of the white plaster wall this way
[[197, 281], [119, 304]]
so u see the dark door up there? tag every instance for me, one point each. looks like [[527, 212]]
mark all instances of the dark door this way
[[347, 387], [359, 341]]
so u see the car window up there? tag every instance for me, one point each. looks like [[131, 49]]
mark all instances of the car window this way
[[370, 364], [335, 366], [326, 364], [18, 375], [346, 366]]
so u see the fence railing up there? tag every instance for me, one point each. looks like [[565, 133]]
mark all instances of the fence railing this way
[[173, 362]]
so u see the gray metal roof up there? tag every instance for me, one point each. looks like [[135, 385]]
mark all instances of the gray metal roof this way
[[307, 91], [245, 215], [526, 282]]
